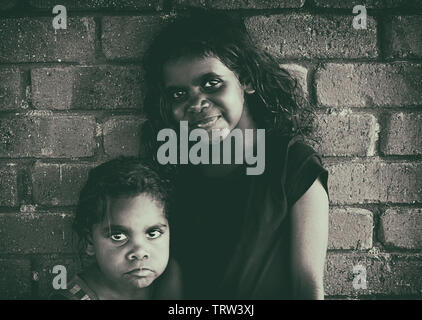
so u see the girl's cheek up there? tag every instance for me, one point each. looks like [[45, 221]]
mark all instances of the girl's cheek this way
[[178, 113]]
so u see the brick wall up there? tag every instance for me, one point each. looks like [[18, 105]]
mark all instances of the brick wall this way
[[71, 99]]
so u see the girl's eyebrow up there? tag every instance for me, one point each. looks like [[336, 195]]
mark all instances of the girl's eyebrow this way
[[195, 81], [118, 228], [158, 225], [207, 76], [114, 228], [171, 89]]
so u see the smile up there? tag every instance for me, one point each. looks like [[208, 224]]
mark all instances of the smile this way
[[177, 149], [206, 122]]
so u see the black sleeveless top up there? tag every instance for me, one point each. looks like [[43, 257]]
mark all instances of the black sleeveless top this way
[[231, 235]]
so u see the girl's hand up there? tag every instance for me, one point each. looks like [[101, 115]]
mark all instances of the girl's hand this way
[[309, 242]]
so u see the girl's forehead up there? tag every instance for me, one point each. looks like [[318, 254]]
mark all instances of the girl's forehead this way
[[140, 209], [190, 69]]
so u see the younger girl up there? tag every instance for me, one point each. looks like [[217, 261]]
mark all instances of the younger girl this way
[[121, 221], [239, 236]]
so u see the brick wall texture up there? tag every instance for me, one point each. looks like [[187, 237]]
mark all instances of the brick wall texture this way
[[71, 99]]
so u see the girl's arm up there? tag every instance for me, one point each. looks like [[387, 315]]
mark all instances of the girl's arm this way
[[309, 242]]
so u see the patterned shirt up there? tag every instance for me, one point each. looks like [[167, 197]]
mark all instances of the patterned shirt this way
[[77, 290]]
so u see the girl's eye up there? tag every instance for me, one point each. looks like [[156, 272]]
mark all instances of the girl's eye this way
[[118, 237], [214, 83], [177, 95], [154, 234]]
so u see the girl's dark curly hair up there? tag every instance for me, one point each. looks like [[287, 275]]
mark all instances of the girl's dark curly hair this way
[[277, 103], [123, 176]]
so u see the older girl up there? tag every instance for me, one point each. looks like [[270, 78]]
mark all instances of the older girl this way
[[239, 236]]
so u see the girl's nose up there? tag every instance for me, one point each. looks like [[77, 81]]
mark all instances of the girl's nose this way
[[197, 103], [138, 253]]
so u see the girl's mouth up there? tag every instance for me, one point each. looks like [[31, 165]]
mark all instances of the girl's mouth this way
[[143, 272], [207, 122]]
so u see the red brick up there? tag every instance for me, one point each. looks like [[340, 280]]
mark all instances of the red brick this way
[[58, 184], [40, 232], [406, 37], [349, 4], [99, 4], [99, 87], [12, 89], [128, 37], [406, 4], [15, 278], [313, 36], [402, 228], [45, 135], [350, 228], [8, 186], [44, 265], [369, 85], [404, 135], [240, 4], [387, 274], [347, 134], [8, 4], [374, 182], [122, 136], [370, 4], [35, 40]]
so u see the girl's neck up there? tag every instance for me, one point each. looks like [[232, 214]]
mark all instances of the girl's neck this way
[[106, 290]]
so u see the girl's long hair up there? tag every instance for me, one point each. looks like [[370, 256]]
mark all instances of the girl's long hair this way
[[278, 102]]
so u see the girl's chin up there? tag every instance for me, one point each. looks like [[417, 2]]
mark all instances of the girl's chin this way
[[217, 135], [140, 283]]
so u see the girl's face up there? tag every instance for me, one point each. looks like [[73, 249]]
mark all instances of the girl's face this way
[[132, 246], [207, 94]]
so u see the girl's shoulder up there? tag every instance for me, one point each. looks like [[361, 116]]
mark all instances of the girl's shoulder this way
[[282, 150], [293, 149], [296, 164]]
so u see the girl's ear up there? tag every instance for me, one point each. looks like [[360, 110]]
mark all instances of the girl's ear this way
[[248, 88], [90, 249]]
